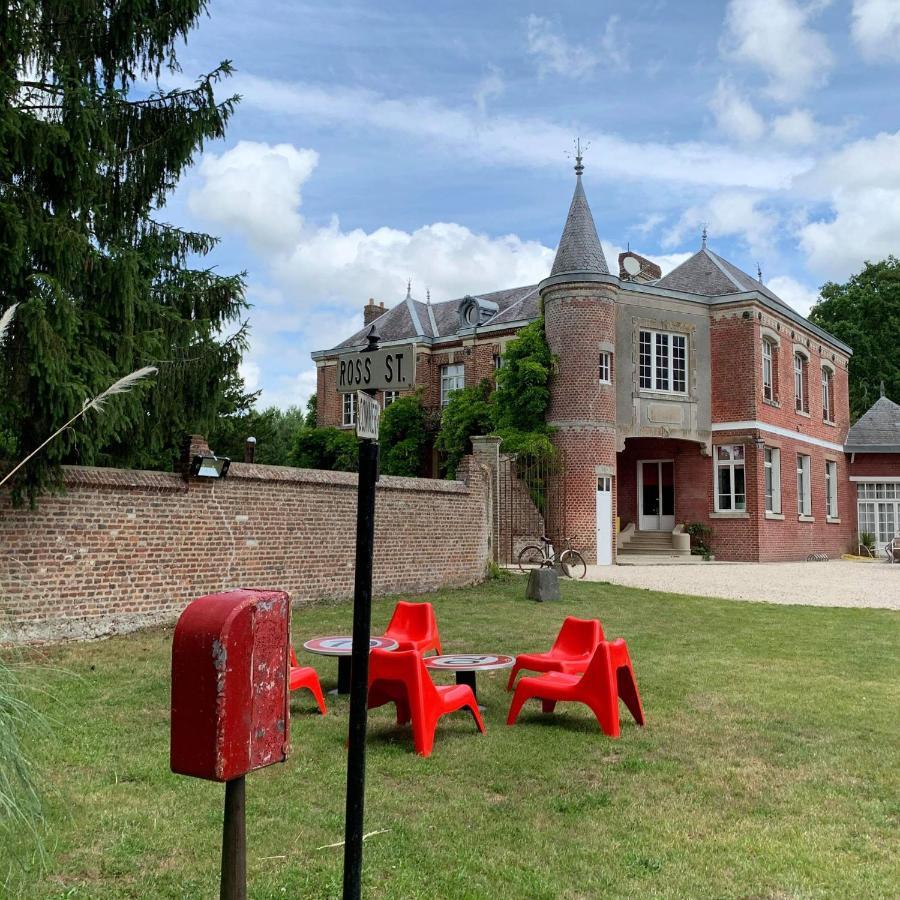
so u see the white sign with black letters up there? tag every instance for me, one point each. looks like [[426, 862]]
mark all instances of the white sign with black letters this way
[[391, 369], [368, 413]]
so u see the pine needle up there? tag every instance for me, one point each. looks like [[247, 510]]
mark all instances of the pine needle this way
[[5, 320]]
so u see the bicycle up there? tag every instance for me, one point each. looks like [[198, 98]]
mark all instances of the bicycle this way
[[570, 561]]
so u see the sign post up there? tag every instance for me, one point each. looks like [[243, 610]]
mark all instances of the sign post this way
[[360, 370]]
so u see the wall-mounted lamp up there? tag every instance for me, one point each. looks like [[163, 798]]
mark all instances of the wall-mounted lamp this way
[[209, 466], [759, 443]]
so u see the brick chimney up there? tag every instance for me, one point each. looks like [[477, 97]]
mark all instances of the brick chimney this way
[[372, 310]]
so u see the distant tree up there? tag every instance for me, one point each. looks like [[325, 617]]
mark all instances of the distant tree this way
[[864, 312], [404, 435], [469, 412], [312, 411], [275, 431], [326, 448], [103, 286], [523, 392]]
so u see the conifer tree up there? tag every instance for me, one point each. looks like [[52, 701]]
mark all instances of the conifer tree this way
[[90, 148]]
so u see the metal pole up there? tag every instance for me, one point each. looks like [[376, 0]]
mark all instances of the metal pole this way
[[233, 884], [359, 674]]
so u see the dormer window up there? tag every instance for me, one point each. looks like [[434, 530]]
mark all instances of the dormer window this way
[[475, 311]]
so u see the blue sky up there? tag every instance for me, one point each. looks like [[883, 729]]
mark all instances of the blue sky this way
[[377, 142]]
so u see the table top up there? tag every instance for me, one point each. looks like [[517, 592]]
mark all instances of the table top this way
[[342, 644], [468, 662]]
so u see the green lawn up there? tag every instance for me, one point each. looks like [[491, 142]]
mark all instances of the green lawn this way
[[768, 767]]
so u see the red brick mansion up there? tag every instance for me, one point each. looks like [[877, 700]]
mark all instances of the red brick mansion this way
[[699, 396]]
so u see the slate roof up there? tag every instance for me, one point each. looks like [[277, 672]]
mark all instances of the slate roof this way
[[876, 431], [579, 247], [397, 323]]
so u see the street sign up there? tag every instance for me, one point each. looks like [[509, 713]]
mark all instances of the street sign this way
[[377, 370], [367, 415]]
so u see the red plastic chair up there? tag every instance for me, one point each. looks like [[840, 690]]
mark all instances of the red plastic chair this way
[[306, 677], [400, 677], [608, 678], [571, 652], [414, 627]]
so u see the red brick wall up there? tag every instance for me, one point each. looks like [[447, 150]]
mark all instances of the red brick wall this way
[[875, 465], [123, 549], [735, 374]]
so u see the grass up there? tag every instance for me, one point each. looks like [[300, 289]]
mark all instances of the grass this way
[[768, 767]]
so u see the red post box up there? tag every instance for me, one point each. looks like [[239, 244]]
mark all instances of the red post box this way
[[230, 659]]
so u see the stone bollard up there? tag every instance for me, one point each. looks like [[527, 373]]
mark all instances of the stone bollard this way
[[543, 584]]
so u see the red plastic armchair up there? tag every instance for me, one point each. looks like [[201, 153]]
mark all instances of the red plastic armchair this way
[[608, 678], [400, 677], [414, 627], [306, 677], [571, 652]]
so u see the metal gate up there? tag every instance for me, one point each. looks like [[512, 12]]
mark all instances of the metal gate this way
[[531, 502]]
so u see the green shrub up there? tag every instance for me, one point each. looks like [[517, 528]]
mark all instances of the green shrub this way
[[701, 539], [469, 412], [405, 435], [326, 448]]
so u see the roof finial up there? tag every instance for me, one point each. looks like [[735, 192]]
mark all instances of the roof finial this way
[[703, 236], [579, 155], [409, 287], [882, 387], [759, 273], [428, 296]]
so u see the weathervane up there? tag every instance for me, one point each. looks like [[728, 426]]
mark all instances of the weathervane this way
[[703, 235], [759, 273], [579, 155]]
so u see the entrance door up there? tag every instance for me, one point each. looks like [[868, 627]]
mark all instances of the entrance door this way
[[604, 520], [656, 495]]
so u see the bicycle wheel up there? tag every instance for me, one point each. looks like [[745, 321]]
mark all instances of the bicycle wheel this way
[[573, 564], [531, 557]]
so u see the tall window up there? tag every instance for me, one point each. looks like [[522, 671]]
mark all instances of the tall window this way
[[498, 361], [831, 499], [390, 397], [801, 399], [453, 378], [730, 482], [663, 361], [804, 493], [349, 409], [827, 394], [772, 462], [605, 367], [768, 376]]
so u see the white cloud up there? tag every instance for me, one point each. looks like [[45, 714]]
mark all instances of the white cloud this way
[[862, 184], [554, 54], [256, 186], [797, 128], [520, 140], [735, 115], [795, 294], [726, 214], [876, 29], [775, 36], [614, 45], [492, 85]]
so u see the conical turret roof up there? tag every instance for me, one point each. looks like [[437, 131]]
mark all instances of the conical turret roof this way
[[579, 247]]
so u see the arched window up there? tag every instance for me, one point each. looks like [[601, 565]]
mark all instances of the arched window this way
[[800, 382], [827, 393]]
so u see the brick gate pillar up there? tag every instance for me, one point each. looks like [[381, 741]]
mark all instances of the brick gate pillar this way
[[486, 450]]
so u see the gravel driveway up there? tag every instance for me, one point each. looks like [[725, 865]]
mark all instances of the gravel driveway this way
[[835, 583]]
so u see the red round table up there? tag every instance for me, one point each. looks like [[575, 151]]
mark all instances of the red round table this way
[[468, 665], [341, 646]]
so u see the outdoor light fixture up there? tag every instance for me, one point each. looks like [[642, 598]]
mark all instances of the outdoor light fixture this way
[[209, 466], [759, 443]]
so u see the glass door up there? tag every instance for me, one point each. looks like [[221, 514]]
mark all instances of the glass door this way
[[656, 495]]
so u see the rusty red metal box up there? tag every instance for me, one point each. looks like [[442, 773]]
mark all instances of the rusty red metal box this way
[[230, 659]]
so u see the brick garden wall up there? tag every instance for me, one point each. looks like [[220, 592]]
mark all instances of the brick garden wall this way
[[123, 549]]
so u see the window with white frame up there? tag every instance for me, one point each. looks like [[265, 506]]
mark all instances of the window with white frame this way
[[663, 361], [453, 378], [804, 487], [801, 399], [768, 370], [390, 397], [878, 507], [731, 492], [498, 361], [831, 489], [772, 465], [605, 367], [827, 394], [349, 409]]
